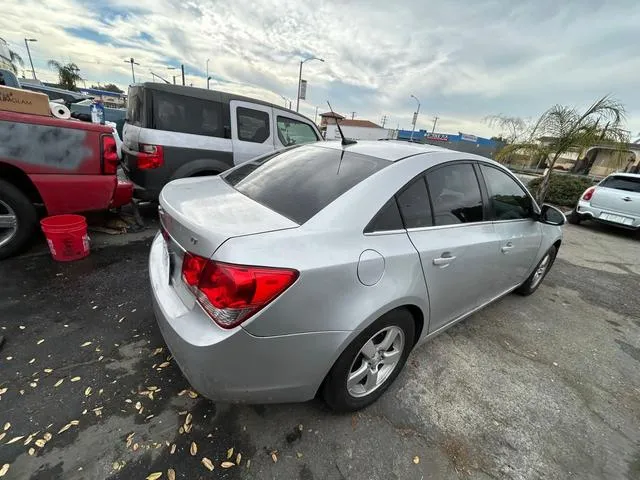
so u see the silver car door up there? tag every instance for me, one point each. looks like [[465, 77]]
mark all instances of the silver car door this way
[[512, 211], [457, 248], [251, 130]]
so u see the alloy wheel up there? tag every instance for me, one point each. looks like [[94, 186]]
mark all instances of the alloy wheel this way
[[8, 223], [541, 270]]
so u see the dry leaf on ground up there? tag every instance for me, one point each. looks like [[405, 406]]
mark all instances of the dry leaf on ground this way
[[238, 458], [4, 469], [416, 459], [193, 449], [3, 390], [40, 341], [40, 442], [207, 463], [87, 391], [47, 436], [65, 428], [173, 449], [32, 451], [15, 439], [171, 474], [164, 364], [48, 370], [86, 344], [274, 456], [227, 464], [229, 453], [7, 426], [75, 379], [59, 382], [188, 419], [154, 476]]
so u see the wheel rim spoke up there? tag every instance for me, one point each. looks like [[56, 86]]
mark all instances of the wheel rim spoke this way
[[372, 380], [356, 377], [7, 221], [388, 340], [369, 350], [391, 358]]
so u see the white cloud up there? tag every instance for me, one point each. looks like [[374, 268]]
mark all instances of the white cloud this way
[[463, 59]]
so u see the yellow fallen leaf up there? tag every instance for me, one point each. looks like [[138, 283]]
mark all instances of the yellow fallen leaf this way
[[32, 451], [48, 370], [3, 390], [188, 419], [173, 449], [87, 391], [47, 436], [171, 474], [40, 442], [154, 476], [227, 464], [40, 341], [2, 435], [4, 469], [33, 384], [59, 382], [299, 455], [164, 364], [75, 422], [75, 379], [138, 405], [187, 428], [194, 449], [238, 458], [157, 351], [416, 460], [31, 361], [135, 447], [7, 426], [29, 438], [192, 394], [229, 453], [86, 344], [274, 457], [207, 463], [65, 428], [15, 439]]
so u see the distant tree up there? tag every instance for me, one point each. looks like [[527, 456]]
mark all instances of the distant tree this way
[[109, 87], [512, 129], [567, 129], [68, 74], [16, 61]]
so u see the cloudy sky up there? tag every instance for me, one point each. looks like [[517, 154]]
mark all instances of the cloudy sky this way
[[464, 59]]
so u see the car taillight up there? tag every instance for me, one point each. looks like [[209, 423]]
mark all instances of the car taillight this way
[[231, 293], [109, 155], [586, 196], [150, 156]]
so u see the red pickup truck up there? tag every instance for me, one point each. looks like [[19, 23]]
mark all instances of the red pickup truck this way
[[63, 166]]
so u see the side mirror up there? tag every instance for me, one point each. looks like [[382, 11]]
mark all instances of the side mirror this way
[[551, 215]]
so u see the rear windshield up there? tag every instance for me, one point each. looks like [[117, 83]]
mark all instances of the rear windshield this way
[[618, 182], [299, 182]]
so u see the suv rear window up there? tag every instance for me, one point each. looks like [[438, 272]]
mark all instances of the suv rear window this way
[[184, 114], [299, 182], [619, 182]]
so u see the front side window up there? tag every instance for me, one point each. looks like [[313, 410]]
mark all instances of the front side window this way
[[507, 200], [301, 181], [253, 125], [294, 132], [455, 194], [413, 201]]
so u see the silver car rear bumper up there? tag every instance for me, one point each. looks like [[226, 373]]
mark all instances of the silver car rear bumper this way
[[587, 211], [233, 365]]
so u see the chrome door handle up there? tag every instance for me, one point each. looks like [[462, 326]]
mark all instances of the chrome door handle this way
[[507, 247], [443, 261]]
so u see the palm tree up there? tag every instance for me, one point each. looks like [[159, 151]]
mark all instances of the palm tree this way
[[16, 61], [568, 130], [68, 74]]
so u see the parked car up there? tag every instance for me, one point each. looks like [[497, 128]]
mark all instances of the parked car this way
[[174, 132], [63, 166], [614, 201], [320, 267]]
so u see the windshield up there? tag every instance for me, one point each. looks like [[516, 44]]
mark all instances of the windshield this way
[[300, 182]]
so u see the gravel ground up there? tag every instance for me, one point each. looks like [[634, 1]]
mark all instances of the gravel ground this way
[[546, 386]]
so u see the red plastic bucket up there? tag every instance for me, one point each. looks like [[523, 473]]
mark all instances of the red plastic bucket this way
[[67, 236]]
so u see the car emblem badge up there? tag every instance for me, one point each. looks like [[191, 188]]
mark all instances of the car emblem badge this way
[[194, 240]]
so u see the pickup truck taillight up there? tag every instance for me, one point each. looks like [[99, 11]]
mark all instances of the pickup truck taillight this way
[[230, 293], [588, 193], [109, 155], [150, 156]]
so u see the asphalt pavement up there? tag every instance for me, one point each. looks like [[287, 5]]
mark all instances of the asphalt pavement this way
[[546, 386]]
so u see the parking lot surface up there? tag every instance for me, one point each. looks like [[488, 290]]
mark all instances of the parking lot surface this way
[[546, 386]]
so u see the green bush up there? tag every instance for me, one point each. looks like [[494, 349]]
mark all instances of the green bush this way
[[563, 190]]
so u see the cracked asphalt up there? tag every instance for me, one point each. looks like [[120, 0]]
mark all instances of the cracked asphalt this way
[[546, 386]]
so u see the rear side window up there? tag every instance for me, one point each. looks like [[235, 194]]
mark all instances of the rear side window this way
[[183, 114], [295, 132], [135, 105], [455, 194], [388, 218], [300, 182], [253, 125], [414, 205], [619, 182]]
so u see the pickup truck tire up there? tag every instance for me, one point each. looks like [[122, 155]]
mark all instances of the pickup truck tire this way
[[26, 219]]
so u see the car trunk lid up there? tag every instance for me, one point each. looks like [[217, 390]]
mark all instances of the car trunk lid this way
[[618, 195]]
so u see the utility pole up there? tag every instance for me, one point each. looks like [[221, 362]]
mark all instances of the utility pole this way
[[26, 43], [133, 62], [383, 120], [435, 120], [182, 67], [415, 117], [353, 114]]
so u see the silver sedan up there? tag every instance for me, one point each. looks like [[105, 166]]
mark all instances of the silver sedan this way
[[317, 269]]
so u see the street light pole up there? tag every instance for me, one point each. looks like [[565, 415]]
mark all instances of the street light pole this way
[[300, 79], [26, 43], [208, 77], [415, 117]]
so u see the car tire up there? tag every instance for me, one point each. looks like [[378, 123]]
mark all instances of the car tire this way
[[14, 202], [542, 268], [387, 362], [573, 217]]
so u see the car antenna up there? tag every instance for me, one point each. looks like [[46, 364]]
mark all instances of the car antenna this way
[[345, 141]]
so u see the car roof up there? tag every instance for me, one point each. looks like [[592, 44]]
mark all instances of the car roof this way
[[391, 150], [623, 174]]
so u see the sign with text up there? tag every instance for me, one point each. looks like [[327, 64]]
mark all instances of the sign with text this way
[[467, 137], [438, 137], [303, 89]]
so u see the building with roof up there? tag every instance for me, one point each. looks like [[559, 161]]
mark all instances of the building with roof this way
[[461, 142], [356, 128]]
